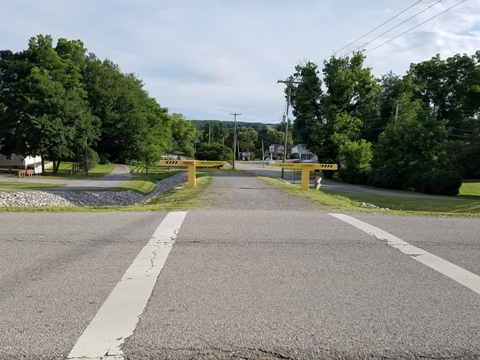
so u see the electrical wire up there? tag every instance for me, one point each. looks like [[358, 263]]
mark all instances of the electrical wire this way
[[396, 26], [379, 26], [396, 37]]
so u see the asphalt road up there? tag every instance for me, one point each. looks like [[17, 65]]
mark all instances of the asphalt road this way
[[252, 274]]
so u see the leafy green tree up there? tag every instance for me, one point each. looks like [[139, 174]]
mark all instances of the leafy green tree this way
[[46, 112], [246, 137], [467, 162], [215, 132], [310, 125], [356, 158], [157, 136], [183, 135], [451, 87], [122, 104], [416, 144], [327, 120]]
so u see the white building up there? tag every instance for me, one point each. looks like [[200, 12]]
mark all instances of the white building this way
[[303, 153], [14, 161]]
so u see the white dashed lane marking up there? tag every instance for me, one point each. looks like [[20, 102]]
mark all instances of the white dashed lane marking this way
[[454, 272]]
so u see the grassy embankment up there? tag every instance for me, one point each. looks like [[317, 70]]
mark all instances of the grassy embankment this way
[[179, 198], [467, 203]]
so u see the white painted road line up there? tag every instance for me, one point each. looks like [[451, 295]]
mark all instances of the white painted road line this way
[[460, 275], [119, 315]]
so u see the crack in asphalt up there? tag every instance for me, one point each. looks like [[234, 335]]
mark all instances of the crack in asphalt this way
[[157, 246]]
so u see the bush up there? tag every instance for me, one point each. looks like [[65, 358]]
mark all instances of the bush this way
[[441, 182], [468, 161], [294, 156], [355, 158], [93, 159], [214, 152]]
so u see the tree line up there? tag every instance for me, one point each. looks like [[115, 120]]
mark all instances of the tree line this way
[[65, 104], [415, 132], [418, 132]]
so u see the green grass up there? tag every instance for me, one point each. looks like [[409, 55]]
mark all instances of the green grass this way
[[184, 198], [470, 188], [438, 206], [64, 171], [179, 198], [25, 186], [468, 206], [145, 183]]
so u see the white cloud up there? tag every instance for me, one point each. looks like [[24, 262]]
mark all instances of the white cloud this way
[[208, 58]]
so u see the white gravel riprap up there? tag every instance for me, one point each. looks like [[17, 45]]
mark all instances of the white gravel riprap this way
[[87, 198]]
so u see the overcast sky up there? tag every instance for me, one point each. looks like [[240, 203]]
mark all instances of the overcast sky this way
[[209, 58]]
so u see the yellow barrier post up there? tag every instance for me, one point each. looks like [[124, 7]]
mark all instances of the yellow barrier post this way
[[192, 174], [306, 177], [191, 167], [306, 168]]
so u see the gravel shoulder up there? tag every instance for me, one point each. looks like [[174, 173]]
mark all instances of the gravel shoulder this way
[[87, 198]]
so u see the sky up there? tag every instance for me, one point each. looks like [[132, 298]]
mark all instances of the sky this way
[[207, 59]]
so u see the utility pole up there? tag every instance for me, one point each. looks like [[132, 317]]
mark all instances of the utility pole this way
[[263, 155], [396, 112], [234, 136], [86, 156], [289, 88]]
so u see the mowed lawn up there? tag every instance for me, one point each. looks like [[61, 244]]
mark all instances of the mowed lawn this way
[[467, 203], [470, 188]]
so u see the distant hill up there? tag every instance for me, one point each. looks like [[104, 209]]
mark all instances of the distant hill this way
[[200, 124]]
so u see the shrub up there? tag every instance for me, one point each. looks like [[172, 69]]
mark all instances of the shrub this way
[[93, 159], [355, 159], [214, 152], [443, 182]]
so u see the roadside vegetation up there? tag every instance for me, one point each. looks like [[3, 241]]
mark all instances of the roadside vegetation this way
[[66, 171], [417, 132], [184, 198], [461, 205], [144, 183]]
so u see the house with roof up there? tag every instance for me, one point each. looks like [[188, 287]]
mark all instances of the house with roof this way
[[13, 161], [303, 153]]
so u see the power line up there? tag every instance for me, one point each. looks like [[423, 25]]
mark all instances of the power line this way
[[396, 26], [433, 17], [379, 26]]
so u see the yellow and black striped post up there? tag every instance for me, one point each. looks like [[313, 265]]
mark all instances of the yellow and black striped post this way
[[306, 168]]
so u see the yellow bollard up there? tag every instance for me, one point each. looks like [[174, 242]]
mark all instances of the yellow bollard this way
[[305, 177], [192, 179]]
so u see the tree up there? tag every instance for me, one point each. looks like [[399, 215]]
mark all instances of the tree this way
[[215, 132], [157, 136], [246, 137], [327, 120], [46, 112], [356, 158], [415, 145], [183, 135], [122, 104], [451, 88], [310, 123]]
